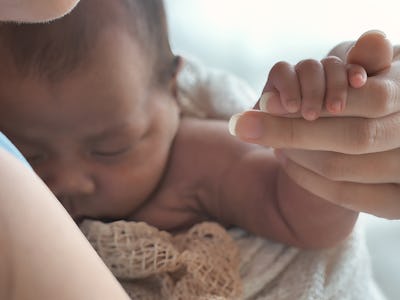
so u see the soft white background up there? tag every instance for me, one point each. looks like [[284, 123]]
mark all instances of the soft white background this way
[[247, 37]]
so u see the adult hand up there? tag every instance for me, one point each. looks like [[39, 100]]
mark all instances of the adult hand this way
[[32, 11], [352, 158]]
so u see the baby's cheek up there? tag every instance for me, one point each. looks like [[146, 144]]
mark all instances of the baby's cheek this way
[[127, 187]]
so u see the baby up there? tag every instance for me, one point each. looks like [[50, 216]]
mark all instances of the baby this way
[[90, 100]]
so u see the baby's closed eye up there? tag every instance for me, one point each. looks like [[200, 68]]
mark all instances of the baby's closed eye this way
[[111, 150]]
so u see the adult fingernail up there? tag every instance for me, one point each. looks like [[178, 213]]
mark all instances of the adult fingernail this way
[[232, 123], [374, 31], [248, 126], [264, 101]]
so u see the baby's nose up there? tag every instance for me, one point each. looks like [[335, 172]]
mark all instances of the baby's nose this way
[[72, 183]]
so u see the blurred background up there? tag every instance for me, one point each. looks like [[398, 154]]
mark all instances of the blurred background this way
[[246, 37]]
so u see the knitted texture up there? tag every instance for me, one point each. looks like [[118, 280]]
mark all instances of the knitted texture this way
[[153, 264], [209, 263]]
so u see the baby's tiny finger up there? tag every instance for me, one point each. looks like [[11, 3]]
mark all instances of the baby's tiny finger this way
[[283, 80], [312, 82], [357, 76], [336, 84]]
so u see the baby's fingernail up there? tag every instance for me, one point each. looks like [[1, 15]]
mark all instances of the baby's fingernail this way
[[251, 126], [359, 76], [264, 101], [336, 106], [358, 80], [292, 105], [310, 115]]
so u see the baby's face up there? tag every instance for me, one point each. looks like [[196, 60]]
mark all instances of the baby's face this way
[[100, 137]]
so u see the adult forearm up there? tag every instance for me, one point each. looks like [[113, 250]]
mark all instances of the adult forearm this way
[[49, 258]]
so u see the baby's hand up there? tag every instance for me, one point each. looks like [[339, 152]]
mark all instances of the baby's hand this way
[[310, 86], [313, 86]]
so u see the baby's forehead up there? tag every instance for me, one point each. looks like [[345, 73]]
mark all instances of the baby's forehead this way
[[54, 49]]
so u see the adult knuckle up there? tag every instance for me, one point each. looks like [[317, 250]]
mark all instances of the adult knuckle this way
[[385, 92], [364, 136]]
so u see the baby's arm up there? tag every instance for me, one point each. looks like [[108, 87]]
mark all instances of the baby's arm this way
[[244, 185], [312, 86]]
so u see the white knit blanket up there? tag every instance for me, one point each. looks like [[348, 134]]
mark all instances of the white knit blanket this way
[[271, 270]]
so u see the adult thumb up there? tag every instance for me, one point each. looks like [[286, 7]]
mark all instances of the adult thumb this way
[[373, 51]]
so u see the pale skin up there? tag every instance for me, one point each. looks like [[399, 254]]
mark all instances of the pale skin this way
[[43, 254], [351, 158], [32, 11]]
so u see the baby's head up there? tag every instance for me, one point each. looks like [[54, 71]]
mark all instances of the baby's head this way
[[90, 101]]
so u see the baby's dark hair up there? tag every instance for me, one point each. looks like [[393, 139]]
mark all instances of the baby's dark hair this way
[[51, 50]]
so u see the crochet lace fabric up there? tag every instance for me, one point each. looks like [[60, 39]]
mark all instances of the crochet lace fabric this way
[[202, 263]]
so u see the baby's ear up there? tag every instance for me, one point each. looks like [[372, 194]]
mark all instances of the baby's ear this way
[[177, 66]]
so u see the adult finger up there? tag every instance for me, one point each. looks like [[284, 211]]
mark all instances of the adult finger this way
[[378, 199], [346, 135], [373, 51], [380, 96], [380, 167]]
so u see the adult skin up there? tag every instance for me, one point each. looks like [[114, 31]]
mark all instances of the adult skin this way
[[43, 254], [352, 158], [34, 10]]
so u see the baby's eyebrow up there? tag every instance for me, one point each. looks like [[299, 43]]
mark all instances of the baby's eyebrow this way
[[22, 137], [115, 130]]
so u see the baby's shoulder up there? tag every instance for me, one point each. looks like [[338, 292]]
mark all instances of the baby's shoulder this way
[[202, 152], [203, 139]]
